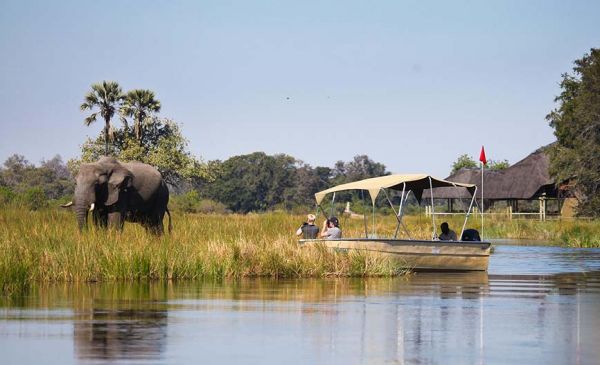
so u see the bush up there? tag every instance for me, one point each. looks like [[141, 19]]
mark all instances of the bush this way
[[6, 196], [213, 207], [34, 198], [191, 202]]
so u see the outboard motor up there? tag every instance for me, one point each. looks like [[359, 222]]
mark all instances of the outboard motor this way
[[470, 235]]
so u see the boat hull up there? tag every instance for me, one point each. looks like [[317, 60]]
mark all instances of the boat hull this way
[[416, 254]]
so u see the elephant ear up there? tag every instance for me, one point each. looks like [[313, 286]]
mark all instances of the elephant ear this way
[[119, 179]]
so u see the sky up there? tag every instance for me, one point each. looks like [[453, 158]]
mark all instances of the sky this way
[[412, 84]]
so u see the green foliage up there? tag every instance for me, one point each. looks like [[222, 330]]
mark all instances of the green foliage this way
[[255, 182], [19, 176], [361, 167], [45, 246], [498, 165], [139, 105], [191, 202], [106, 97], [6, 196], [463, 161], [163, 146], [34, 198], [575, 157], [259, 182], [580, 235]]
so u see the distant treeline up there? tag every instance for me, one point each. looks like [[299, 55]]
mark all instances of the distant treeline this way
[[34, 187], [254, 182]]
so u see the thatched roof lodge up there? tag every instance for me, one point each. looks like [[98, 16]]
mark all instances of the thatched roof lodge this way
[[528, 179]]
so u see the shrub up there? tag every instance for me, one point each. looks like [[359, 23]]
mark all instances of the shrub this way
[[6, 196], [190, 202], [34, 198], [211, 206]]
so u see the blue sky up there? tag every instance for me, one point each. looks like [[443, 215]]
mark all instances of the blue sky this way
[[413, 84]]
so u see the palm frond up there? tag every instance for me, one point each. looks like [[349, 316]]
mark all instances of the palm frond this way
[[91, 119]]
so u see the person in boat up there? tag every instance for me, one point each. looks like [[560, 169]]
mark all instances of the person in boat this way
[[331, 229], [447, 233], [308, 230]]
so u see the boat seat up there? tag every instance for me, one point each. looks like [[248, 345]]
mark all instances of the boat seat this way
[[470, 235]]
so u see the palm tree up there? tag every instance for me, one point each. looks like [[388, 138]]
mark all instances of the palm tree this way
[[105, 96], [139, 105]]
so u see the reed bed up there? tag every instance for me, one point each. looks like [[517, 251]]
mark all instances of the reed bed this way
[[45, 246]]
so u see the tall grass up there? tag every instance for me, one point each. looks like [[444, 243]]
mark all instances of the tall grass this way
[[45, 246]]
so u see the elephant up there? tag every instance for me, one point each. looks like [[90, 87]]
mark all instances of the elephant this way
[[116, 192]]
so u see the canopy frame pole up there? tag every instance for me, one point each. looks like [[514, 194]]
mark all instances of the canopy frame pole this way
[[362, 196], [468, 213], [373, 229], [332, 206], [398, 215], [399, 210], [323, 210], [432, 209]]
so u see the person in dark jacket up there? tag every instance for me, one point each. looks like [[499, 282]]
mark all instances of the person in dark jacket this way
[[308, 230], [447, 233]]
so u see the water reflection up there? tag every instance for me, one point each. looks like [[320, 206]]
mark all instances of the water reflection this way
[[121, 334], [510, 315], [121, 322]]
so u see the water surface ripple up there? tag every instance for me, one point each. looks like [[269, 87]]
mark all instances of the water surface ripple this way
[[536, 305]]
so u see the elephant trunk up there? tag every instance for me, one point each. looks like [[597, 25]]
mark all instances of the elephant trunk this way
[[81, 212], [83, 198]]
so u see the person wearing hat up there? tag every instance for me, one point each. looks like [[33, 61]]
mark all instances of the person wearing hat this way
[[331, 229], [308, 230]]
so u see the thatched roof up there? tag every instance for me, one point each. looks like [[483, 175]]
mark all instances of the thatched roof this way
[[527, 179]]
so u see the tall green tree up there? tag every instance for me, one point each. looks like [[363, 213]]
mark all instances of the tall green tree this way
[[255, 182], [575, 157], [105, 97], [361, 167], [163, 146], [139, 105], [463, 161]]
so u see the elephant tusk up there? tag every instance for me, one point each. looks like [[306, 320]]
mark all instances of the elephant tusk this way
[[92, 207], [67, 204]]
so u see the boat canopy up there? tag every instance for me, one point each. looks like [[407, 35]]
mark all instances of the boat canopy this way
[[409, 182]]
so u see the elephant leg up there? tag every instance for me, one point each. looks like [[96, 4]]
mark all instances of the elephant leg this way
[[100, 218], [116, 220], [153, 225]]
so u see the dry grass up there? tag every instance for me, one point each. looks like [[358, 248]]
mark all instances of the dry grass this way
[[45, 246]]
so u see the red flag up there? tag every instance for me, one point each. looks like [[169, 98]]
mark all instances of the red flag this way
[[482, 156]]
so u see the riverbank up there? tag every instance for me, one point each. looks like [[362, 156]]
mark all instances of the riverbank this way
[[45, 246]]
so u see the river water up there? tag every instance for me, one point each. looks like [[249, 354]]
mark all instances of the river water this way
[[536, 305]]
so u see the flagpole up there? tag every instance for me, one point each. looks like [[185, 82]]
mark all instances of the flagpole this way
[[483, 161], [482, 200]]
